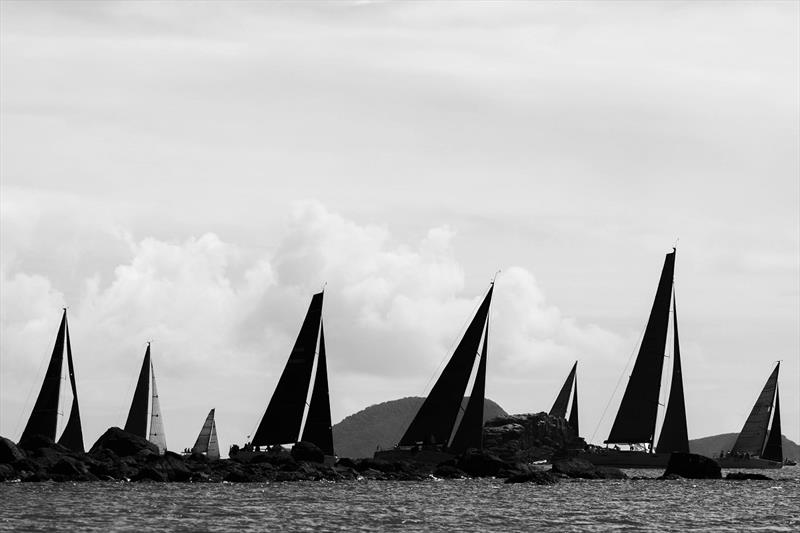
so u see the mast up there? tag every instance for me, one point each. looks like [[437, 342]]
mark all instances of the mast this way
[[470, 431], [157, 435], [137, 416], [674, 434], [44, 417], [72, 437], [284, 414], [636, 418], [559, 408], [774, 447], [435, 419], [573, 412], [318, 420], [754, 432], [201, 444]]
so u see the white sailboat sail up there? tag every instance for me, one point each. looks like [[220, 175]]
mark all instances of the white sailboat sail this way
[[157, 435], [201, 445], [213, 444]]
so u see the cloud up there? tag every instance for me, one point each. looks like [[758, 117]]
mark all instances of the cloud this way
[[222, 320]]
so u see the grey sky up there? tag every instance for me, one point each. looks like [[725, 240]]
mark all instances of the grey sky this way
[[191, 172]]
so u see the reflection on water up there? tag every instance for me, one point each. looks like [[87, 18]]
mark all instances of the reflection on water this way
[[485, 505]]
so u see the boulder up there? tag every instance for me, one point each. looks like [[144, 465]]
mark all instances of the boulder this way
[[307, 451], [528, 437], [747, 475], [480, 464], [123, 444], [537, 477], [149, 473], [446, 471], [693, 466], [578, 468], [9, 452]]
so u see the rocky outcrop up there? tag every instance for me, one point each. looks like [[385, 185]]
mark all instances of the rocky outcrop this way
[[692, 466], [537, 477], [529, 437], [123, 444], [307, 451], [743, 476], [577, 468], [9, 452]]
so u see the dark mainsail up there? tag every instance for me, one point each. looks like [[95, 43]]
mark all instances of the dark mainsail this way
[[44, 417], [139, 412], [751, 438], [434, 421], [559, 408], [573, 412], [318, 420], [470, 431], [284, 415], [774, 448], [636, 418], [674, 434], [72, 437]]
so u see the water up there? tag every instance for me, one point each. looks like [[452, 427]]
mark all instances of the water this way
[[463, 505]]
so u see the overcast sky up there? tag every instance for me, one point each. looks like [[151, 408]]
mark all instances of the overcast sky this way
[[191, 173]]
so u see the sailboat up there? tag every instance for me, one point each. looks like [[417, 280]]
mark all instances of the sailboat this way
[[206, 442], [759, 445], [559, 408], [436, 433], [141, 413], [282, 422], [635, 424], [44, 417]]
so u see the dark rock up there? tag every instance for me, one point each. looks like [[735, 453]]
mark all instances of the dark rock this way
[[9, 452], [538, 477], [198, 457], [172, 466], [693, 466], [578, 468], [480, 464], [346, 462], [123, 444], [307, 451], [33, 442], [529, 437], [610, 472], [747, 475], [149, 473], [666, 477], [7, 472]]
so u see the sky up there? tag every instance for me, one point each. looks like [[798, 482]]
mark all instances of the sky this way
[[190, 173]]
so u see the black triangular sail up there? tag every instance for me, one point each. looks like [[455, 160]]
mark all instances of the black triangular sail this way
[[559, 408], [434, 421], [318, 420], [636, 418], [138, 414], [573, 411], [72, 437], [754, 432], [674, 434], [774, 447], [284, 414], [470, 431], [44, 417]]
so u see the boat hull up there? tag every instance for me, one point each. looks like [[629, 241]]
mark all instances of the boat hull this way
[[626, 459], [747, 463]]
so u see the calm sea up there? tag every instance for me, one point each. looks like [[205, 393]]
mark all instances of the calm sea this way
[[464, 505]]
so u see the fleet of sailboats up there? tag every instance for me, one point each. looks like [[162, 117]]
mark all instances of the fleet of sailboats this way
[[447, 423]]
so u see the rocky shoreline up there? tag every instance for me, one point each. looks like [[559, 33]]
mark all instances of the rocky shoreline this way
[[122, 456]]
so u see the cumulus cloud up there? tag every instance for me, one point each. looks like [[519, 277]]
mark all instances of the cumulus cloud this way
[[222, 319]]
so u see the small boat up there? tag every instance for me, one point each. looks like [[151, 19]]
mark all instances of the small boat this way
[[207, 442], [44, 417], [570, 388], [759, 445], [282, 422], [436, 433], [635, 424], [141, 413]]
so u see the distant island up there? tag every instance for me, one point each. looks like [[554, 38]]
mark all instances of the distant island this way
[[711, 446]]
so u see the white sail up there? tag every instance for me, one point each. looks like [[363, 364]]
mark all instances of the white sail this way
[[201, 445], [213, 445], [157, 435]]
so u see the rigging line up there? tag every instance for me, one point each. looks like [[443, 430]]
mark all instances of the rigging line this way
[[616, 387]]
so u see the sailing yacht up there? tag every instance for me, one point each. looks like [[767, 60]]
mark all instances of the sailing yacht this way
[[141, 413], [282, 422], [759, 445], [635, 424], [44, 417], [559, 408], [207, 442], [436, 434]]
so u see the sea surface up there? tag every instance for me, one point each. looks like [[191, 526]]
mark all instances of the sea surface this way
[[435, 505]]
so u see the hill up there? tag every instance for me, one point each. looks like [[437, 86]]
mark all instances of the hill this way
[[382, 425], [711, 446]]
